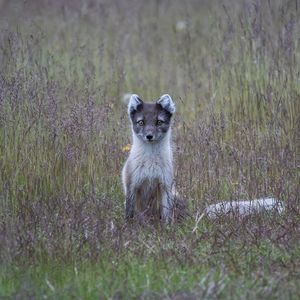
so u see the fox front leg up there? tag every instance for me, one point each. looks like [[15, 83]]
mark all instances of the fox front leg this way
[[167, 206], [129, 205]]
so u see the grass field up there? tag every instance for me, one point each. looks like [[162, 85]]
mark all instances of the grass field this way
[[233, 69]]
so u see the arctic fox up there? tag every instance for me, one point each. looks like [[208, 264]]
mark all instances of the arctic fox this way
[[147, 175], [148, 172]]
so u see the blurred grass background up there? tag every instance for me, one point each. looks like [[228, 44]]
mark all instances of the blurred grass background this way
[[233, 70]]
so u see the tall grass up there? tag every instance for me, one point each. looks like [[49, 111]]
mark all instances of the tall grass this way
[[233, 71]]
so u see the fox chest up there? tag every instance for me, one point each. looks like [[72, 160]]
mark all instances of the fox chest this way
[[152, 171]]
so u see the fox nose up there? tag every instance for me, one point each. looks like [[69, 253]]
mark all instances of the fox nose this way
[[149, 137]]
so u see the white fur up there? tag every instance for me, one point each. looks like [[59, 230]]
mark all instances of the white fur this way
[[152, 163], [167, 103], [244, 208], [134, 101], [241, 209]]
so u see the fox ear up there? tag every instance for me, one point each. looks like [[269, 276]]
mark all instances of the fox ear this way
[[167, 103], [134, 102]]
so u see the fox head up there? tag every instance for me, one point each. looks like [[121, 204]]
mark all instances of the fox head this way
[[151, 121]]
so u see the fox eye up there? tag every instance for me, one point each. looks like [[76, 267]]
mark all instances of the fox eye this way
[[141, 123], [159, 122]]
